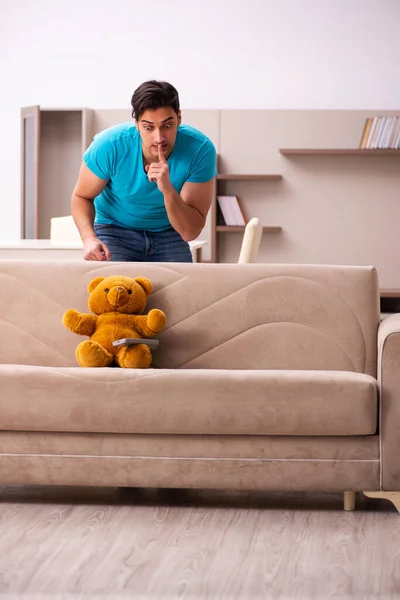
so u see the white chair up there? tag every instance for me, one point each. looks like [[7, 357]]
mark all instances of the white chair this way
[[64, 230], [251, 241]]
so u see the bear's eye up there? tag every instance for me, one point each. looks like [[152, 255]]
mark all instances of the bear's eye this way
[[129, 291], [106, 290]]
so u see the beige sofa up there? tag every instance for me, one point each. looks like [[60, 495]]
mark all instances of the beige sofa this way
[[272, 377]]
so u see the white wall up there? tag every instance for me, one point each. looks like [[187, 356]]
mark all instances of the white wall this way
[[219, 54]]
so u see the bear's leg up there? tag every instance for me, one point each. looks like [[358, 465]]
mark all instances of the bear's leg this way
[[134, 357], [92, 354]]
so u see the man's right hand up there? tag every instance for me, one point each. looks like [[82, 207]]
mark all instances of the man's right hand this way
[[95, 249]]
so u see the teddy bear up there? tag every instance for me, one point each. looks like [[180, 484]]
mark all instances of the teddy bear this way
[[117, 303]]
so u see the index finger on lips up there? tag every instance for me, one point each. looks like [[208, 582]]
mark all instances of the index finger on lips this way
[[161, 156]]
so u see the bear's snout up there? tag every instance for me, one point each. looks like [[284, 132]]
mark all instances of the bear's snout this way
[[118, 296]]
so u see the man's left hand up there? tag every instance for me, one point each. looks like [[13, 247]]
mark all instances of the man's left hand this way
[[159, 172]]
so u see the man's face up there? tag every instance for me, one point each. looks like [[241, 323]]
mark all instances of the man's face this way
[[158, 128]]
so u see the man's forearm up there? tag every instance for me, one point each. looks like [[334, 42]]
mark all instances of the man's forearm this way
[[185, 219], [83, 214]]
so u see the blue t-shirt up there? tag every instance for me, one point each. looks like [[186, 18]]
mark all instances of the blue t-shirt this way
[[129, 199]]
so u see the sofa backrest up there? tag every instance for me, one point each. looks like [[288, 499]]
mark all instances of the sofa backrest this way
[[219, 316]]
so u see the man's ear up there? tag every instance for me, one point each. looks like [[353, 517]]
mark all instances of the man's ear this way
[[94, 283], [179, 117], [137, 124]]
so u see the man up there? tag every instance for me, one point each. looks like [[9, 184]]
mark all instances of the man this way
[[145, 188]]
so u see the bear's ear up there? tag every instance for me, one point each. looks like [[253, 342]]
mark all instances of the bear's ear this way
[[145, 284], [94, 283]]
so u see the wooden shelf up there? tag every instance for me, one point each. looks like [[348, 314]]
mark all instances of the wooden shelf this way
[[235, 228], [335, 151], [390, 293], [235, 177], [238, 177]]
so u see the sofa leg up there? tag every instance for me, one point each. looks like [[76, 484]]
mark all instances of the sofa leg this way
[[394, 497], [349, 500]]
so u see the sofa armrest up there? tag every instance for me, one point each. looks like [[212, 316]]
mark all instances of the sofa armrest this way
[[389, 385]]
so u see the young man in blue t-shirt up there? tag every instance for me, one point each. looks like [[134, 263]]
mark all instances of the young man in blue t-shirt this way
[[145, 187]]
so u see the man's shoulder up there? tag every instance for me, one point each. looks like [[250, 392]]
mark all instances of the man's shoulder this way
[[191, 135], [117, 133]]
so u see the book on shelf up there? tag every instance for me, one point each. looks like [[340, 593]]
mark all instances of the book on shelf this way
[[231, 211], [381, 133]]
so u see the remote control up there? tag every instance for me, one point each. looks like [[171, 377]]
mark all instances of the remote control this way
[[152, 344]]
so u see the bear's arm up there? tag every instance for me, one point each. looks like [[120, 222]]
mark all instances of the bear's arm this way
[[81, 323], [149, 325]]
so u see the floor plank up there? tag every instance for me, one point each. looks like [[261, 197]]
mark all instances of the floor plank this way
[[73, 543]]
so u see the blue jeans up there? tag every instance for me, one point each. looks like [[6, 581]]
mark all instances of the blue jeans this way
[[134, 245]]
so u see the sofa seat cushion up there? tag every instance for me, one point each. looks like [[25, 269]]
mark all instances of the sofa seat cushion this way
[[187, 401]]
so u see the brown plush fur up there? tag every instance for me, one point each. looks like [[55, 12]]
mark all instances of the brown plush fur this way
[[117, 304]]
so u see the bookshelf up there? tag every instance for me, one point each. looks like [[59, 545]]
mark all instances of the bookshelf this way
[[336, 151], [238, 177], [52, 143], [314, 152], [218, 228]]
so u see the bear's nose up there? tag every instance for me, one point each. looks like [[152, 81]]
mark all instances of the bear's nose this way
[[117, 296]]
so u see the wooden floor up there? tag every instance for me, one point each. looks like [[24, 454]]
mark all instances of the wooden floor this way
[[68, 543]]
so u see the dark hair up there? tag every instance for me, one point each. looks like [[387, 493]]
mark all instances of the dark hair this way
[[151, 95]]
